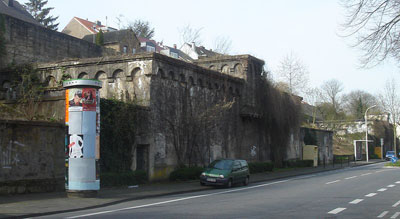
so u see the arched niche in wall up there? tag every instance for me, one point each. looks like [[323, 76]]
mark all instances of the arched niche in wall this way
[[225, 69], [171, 75], [200, 82], [138, 84], [119, 84], [212, 67], [83, 75], [238, 69], [161, 73], [102, 76], [182, 79], [51, 81], [191, 81], [237, 92]]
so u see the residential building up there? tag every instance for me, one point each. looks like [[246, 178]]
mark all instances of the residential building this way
[[79, 28]]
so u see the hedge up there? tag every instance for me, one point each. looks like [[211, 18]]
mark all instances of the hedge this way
[[298, 163], [110, 179], [186, 173], [259, 167]]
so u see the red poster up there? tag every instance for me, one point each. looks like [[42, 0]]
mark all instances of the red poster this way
[[89, 99]]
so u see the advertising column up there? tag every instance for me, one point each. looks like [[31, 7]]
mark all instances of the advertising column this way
[[82, 151]]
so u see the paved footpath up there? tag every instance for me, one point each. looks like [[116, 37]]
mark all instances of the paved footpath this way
[[39, 204]]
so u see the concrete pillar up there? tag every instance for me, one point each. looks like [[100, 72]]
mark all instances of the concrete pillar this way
[[82, 117]]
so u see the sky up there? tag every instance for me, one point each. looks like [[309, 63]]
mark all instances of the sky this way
[[266, 29]]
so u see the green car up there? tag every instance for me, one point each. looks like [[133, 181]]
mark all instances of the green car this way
[[226, 172]]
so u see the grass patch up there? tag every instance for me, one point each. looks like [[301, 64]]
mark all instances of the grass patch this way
[[390, 164]]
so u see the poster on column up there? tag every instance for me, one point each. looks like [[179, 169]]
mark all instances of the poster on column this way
[[75, 147], [89, 99], [75, 99]]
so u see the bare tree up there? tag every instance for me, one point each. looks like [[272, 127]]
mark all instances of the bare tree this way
[[375, 23], [222, 44], [311, 96], [356, 102], [190, 34], [294, 73], [390, 101], [330, 92], [141, 28]]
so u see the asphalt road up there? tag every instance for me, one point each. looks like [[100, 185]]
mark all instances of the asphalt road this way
[[370, 191]]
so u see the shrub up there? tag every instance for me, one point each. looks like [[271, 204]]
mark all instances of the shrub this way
[[259, 167], [298, 163], [186, 173], [109, 179]]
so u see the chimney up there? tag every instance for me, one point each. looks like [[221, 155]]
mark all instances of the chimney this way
[[10, 3], [174, 46]]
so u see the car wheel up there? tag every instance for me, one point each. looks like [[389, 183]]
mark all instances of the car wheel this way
[[229, 184], [246, 181], [202, 184]]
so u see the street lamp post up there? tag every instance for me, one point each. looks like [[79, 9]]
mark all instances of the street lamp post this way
[[366, 129]]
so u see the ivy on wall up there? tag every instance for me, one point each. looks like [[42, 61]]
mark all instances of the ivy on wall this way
[[2, 38], [280, 117], [117, 123]]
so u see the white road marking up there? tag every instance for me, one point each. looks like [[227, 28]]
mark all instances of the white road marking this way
[[383, 214], [356, 201], [179, 199], [351, 177], [337, 210], [371, 194], [395, 215], [332, 182], [365, 174], [378, 171], [390, 186], [382, 190], [398, 182], [396, 204]]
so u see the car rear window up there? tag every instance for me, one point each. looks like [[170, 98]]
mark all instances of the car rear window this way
[[221, 164]]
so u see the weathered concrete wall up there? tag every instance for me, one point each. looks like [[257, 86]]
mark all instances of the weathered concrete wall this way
[[31, 157], [323, 139], [29, 43]]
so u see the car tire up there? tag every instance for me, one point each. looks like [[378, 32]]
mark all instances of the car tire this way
[[202, 184], [246, 181], [229, 184]]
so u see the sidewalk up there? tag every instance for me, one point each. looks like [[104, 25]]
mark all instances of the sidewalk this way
[[37, 204]]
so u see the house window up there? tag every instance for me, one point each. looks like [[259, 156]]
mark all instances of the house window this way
[[174, 54], [133, 51], [150, 49], [125, 49]]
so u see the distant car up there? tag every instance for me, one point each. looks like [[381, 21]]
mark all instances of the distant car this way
[[226, 172], [389, 155]]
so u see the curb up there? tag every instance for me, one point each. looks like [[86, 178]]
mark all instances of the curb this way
[[180, 192]]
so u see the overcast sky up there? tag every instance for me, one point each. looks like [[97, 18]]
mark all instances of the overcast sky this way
[[267, 29]]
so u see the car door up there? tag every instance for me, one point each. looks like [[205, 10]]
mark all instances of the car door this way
[[236, 170]]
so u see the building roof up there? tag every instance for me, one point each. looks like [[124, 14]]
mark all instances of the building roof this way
[[15, 9], [93, 27], [202, 51], [110, 37], [158, 47]]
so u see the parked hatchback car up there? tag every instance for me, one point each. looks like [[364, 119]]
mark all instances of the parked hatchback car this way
[[226, 172], [389, 155]]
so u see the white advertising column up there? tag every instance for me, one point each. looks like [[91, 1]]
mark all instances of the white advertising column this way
[[82, 151]]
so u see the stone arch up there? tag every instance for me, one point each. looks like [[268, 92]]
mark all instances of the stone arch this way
[[225, 69], [212, 67], [182, 78], [238, 69], [161, 73], [119, 86], [171, 75], [51, 81], [136, 72], [216, 86], [102, 76], [83, 75], [191, 81], [200, 82]]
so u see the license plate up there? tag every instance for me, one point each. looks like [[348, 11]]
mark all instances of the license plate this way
[[211, 180]]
